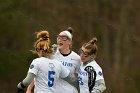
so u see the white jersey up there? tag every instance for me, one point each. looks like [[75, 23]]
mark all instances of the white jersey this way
[[47, 73], [83, 76], [72, 62]]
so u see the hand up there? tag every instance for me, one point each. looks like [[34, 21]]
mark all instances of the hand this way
[[19, 90]]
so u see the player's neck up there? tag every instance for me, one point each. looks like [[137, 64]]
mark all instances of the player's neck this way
[[65, 52]]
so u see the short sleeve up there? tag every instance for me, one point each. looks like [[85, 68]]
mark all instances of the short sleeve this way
[[99, 73], [34, 66]]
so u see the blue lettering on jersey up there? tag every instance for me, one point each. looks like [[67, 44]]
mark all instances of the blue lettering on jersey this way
[[82, 73], [67, 64], [80, 81]]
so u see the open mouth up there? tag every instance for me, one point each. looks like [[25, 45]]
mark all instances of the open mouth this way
[[60, 44]]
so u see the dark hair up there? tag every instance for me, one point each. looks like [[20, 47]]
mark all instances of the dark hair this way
[[70, 29]]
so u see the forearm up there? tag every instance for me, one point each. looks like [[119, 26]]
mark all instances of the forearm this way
[[23, 84], [72, 79], [30, 87], [99, 86]]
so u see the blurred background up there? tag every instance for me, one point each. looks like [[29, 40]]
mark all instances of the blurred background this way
[[115, 23]]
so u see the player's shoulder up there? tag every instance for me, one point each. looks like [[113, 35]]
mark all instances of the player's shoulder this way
[[36, 59], [95, 65], [39, 59], [75, 54]]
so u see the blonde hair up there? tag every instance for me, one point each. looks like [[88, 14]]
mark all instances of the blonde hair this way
[[43, 42]]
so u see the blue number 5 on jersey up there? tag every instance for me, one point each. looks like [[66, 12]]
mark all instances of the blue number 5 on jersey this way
[[51, 78]]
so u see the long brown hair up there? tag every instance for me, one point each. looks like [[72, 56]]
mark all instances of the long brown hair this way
[[43, 42]]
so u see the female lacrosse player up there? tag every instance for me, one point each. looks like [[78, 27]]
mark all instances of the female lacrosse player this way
[[90, 74], [44, 70], [68, 58]]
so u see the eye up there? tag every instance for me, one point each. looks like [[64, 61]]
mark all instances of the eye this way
[[86, 54], [38, 49], [62, 37]]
